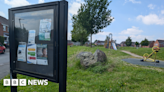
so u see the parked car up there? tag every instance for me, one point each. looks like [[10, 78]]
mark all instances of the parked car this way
[[2, 49]]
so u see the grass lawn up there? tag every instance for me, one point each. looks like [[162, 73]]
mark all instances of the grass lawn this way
[[115, 76], [142, 51]]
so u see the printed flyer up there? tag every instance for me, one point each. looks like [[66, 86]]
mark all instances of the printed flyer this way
[[21, 53], [42, 54], [45, 29], [31, 37], [31, 53]]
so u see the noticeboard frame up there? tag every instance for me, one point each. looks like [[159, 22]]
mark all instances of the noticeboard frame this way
[[59, 41]]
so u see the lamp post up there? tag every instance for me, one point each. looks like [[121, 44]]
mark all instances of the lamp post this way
[[20, 21]]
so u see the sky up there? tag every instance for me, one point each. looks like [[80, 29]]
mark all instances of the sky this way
[[138, 19]]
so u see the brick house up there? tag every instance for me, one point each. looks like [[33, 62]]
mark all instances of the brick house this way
[[69, 42], [99, 42], [133, 44], [4, 29], [123, 44], [159, 43], [151, 44], [87, 43]]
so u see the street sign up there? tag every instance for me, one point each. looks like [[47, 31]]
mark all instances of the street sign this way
[[38, 41]]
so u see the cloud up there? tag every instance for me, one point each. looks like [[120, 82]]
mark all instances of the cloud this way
[[134, 32], [151, 19], [151, 6], [16, 3], [70, 24], [41, 1], [103, 33], [129, 19], [162, 11], [74, 8], [131, 31], [99, 36], [2, 14], [69, 36], [133, 1]]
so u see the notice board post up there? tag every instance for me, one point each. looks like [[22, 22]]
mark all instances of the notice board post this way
[[63, 54], [38, 42]]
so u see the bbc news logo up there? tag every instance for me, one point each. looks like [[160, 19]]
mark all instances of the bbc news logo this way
[[23, 82]]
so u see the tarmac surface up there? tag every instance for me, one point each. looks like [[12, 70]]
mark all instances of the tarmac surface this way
[[145, 63], [4, 64]]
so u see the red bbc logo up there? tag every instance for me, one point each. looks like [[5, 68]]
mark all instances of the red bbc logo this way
[[32, 58]]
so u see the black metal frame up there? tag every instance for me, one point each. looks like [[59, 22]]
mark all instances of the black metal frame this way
[[60, 42]]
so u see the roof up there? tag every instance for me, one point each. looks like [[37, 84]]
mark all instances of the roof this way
[[123, 42], [69, 41], [100, 41], [151, 41], [160, 41], [3, 20]]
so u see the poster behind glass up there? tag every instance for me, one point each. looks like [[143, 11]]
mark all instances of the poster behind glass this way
[[34, 39]]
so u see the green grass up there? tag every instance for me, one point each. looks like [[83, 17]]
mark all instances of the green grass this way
[[113, 76], [142, 51]]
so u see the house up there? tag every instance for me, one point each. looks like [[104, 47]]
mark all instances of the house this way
[[133, 44], [118, 45], [159, 43], [87, 43], [4, 29], [69, 42], [151, 44], [123, 44], [99, 42], [76, 43]]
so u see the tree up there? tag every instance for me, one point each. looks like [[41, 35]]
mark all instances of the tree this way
[[93, 16], [145, 42], [137, 43], [95, 41], [128, 42], [2, 40], [78, 32]]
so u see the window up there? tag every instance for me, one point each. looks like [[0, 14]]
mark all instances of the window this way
[[156, 44], [4, 28], [8, 29]]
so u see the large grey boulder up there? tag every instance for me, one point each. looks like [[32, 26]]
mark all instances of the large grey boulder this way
[[99, 56], [87, 58]]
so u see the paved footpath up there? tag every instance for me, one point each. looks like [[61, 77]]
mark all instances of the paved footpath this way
[[132, 54]]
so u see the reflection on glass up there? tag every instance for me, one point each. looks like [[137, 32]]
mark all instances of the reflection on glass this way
[[36, 27]]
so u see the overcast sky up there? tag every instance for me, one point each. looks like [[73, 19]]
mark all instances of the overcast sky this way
[[138, 19]]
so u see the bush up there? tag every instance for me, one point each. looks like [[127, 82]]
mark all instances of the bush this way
[[2, 39]]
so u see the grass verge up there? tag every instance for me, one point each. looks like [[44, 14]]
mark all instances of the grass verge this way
[[115, 76]]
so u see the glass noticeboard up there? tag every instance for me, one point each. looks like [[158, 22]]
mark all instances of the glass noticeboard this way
[[34, 34]]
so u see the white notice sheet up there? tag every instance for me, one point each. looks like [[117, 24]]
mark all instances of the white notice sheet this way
[[21, 53], [31, 53]]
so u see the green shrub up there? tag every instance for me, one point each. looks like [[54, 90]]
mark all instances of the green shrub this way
[[2, 39]]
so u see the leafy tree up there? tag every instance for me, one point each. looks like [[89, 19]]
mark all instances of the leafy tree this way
[[128, 41], [93, 16], [145, 42], [137, 43], [95, 41], [79, 33]]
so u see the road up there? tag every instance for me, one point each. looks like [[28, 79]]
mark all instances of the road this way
[[4, 64]]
